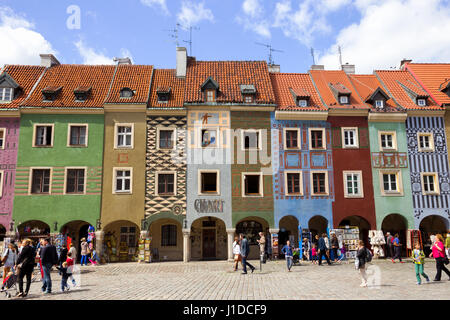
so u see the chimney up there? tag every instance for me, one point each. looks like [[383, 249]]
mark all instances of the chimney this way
[[274, 68], [317, 67], [125, 61], [348, 68], [48, 60], [404, 62], [181, 62]]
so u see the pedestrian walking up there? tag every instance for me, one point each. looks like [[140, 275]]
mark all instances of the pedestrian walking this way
[[70, 267], [335, 246], [64, 276], [84, 251], [323, 250], [314, 254], [306, 249], [245, 251], [24, 266], [397, 249], [62, 256], [49, 258], [360, 263], [262, 244], [9, 259], [236, 253], [419, 261], [439, 255], [288, 254], [390, 246], [73, 252]]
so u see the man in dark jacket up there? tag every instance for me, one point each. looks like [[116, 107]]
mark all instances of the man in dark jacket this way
[[49, 258], [245, 250], [323, 250]]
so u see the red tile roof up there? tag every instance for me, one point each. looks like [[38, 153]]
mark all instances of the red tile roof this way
[[229, 75], [433, 77], [136, 77], [300, 83], [396, 82], [163, 80], [366, 85], [323, 79], [26, 77], [71, 77]]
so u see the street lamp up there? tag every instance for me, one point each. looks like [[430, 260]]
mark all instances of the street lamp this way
[[11, 225], [99, 224]]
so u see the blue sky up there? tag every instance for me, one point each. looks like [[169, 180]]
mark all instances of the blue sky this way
[[373, 34]]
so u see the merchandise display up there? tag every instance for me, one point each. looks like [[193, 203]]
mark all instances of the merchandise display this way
[[145, 254], [348, 237], [413, 237], [377, 241]]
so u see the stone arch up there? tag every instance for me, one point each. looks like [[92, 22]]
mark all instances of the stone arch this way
[[208, 239], [250, 227], [317, 225], [33, 229], [167, 239], [117, 233], [288, 227], [357, 221], [396, 223]]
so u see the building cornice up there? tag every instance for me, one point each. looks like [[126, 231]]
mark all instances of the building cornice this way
[[348, 112], [426, 113], [6, 113], [301, 115], [110, 107], [47, 110], [167, 112], [387, 117], [242, 108]]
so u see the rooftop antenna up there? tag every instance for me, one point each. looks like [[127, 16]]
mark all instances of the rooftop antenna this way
[[313, 57], [271, 50], [340, 55], [190, 38], [174, 34]]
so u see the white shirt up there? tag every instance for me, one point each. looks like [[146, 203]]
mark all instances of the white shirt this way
[[12, 257], [236, 248]]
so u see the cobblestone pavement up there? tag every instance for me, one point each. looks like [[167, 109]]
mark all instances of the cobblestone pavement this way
[[216, 280]]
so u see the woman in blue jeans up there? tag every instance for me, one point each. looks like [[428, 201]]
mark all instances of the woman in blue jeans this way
[[288, 254], [84, 251]]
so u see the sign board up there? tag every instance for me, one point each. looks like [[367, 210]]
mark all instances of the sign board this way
[[208, 206], [274, 237]]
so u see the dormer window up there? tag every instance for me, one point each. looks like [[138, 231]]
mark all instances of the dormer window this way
[[379, 104], [6, 94], [50, 93], [126, 93], [421, 102], [81, 93], [163, 94], [210, 89], [340, 92], [248, 99], [210, 96], [302, 103], [248, 92], [343, 99]]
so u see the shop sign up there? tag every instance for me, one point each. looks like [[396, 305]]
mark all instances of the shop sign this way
[[208, 206]]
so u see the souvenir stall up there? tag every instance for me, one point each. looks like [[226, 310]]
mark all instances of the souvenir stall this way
[[412, 237], [145, 252], [349, 237], [34, 231], [377, 241], [110, 247], [305, 233]]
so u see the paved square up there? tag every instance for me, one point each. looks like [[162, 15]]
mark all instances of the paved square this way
[[216, 280]]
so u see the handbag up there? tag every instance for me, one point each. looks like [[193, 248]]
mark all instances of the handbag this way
[[446, 262]]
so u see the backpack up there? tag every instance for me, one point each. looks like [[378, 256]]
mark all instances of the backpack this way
[[368, 256]]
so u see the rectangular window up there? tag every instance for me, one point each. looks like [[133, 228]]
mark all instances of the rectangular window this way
[[353, 184], [390, 182], [317, 138], [251, 140], [124, 136], [319, 183], [252, 185], [166, 139], [75, 179], [40, 181], [128, 236], [302, 103], [122, 181], [350, 137], [209, 183], [379, 103], [209, 138], [292, 137], [388, 140], [6, 94], [343, 99], [78, 135], [2, 138], [293, 183], [426, 141], [421, 102], [248, 99], [210, 96], [169, 235], [43, 136], [430, 184], [166, 184]]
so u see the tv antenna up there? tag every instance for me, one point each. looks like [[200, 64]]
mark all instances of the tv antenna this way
[[190, 38], [313, 57], [340, 55], [174, 33], [271, 50]]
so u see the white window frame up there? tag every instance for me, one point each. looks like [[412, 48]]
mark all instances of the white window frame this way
[[324, 138], [66, 169], [261, 184], [399, 182], [435, 176], [381, 103], [346, 98], [116, 135], [207, 96], [248, 98], [4, 138], [114, 189], [420, 104], [355, 137], [174, 137], [35, 125], [360, 184], [157, 173], [2, 179], [300, 173], [199, 182], [30, 181], [303, 103], [243, 132], [199, 139], [298, 138], [394, 140], [327, 189], [430, 139], [3, 94], [68, 134]]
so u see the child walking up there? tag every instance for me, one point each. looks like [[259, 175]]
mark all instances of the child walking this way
[[314, 254], [419, 260], [64, 276]]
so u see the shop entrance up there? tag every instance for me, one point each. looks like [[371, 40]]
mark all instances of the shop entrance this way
[[432, 225], [34, 230], [317, 226], [362, 224], [288, 231], [120, 243], [209, 243], [251, 227], [76, 230], [396, 224]]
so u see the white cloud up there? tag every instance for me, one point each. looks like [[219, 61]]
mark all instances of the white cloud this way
[[21, 44], [161, 3], [192, 13], [125, 53], [253, 18], [390, 30], [90, 56]]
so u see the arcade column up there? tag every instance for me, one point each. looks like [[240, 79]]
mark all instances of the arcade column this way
[[230, 240], [99, 239], [186, 245]]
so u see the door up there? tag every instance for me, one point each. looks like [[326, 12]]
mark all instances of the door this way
[[209, 243]]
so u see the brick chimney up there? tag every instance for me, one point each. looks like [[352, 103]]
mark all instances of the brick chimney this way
[[274, 68], [404, 62], [181, 62], [348, 68]]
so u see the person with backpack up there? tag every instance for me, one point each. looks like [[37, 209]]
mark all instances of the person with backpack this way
[[397, 249], [9, 259], [390, 245], [362, 258]]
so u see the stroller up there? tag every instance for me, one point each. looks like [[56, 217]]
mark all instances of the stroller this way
[[296, 256], [9, 284]]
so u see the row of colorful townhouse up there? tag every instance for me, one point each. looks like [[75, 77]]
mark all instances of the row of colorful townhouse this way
[[193, 155]]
